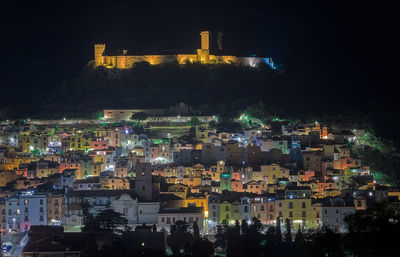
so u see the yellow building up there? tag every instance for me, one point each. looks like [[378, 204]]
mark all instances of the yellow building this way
[[273, 172], [298, 211], [96, 168], [24, 141], [178, 190], [196, 201], [13, 162], [316, 215], [225, 209], [113, 183], [80, 141], [191, 181], [98, 158], [217, 170], [201, 134], [236, 211], [258, 176], [46, 169], [171, 180]]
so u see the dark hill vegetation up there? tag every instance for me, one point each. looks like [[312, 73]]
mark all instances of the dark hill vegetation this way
[[215, 89]]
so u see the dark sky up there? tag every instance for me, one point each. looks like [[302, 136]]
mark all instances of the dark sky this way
[[332, 44]]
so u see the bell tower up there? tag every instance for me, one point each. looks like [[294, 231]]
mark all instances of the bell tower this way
[[99, 54], [143, 181]]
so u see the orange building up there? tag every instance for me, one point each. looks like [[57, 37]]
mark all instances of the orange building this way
[[237, 185]]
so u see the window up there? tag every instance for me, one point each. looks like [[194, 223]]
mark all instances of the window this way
[[168, 220], [26, 202], [290, 205], [41, 209], [41, 201], [41, 218], [303, 214], [290, 214], [26, 218], [26, 209], [303, 205], [9, 212], [262, 208], [227, 208]]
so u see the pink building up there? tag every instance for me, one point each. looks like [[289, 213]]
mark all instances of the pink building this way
[[99, 144]]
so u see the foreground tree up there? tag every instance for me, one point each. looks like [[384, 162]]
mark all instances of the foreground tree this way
[[180, 238], [288, 238], [194, 121], [139, 116], [107, 220]]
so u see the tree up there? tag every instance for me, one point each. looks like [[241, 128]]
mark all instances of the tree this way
[[202, 248], [271, 247], [139, 116], [288, 231], [244, 226], [196, 232], [256, 224], [212, 124], [194, 121], [107, 220], [233, 240], [252, 238], [180, 238], [278, 229], [237, 227], [90, 224]]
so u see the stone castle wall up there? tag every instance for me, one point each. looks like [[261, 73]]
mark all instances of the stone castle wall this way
[[202, 56]]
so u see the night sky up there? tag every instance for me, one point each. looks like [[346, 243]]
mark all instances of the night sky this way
[[328, 45]]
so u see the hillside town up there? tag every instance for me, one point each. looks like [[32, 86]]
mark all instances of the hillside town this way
[[155, 172]]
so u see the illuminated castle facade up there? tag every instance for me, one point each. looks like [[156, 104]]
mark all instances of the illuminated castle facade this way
[[203, 56]]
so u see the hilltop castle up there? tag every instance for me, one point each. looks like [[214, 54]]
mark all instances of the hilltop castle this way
[[203, 56]]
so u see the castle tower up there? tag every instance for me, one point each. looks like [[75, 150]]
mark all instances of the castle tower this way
[[219, 40], [203, 54], [205, 40], [99, 54]]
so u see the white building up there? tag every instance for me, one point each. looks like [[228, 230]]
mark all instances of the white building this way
[[26, 210], [136, 212], [147, 212], [333, 212]]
